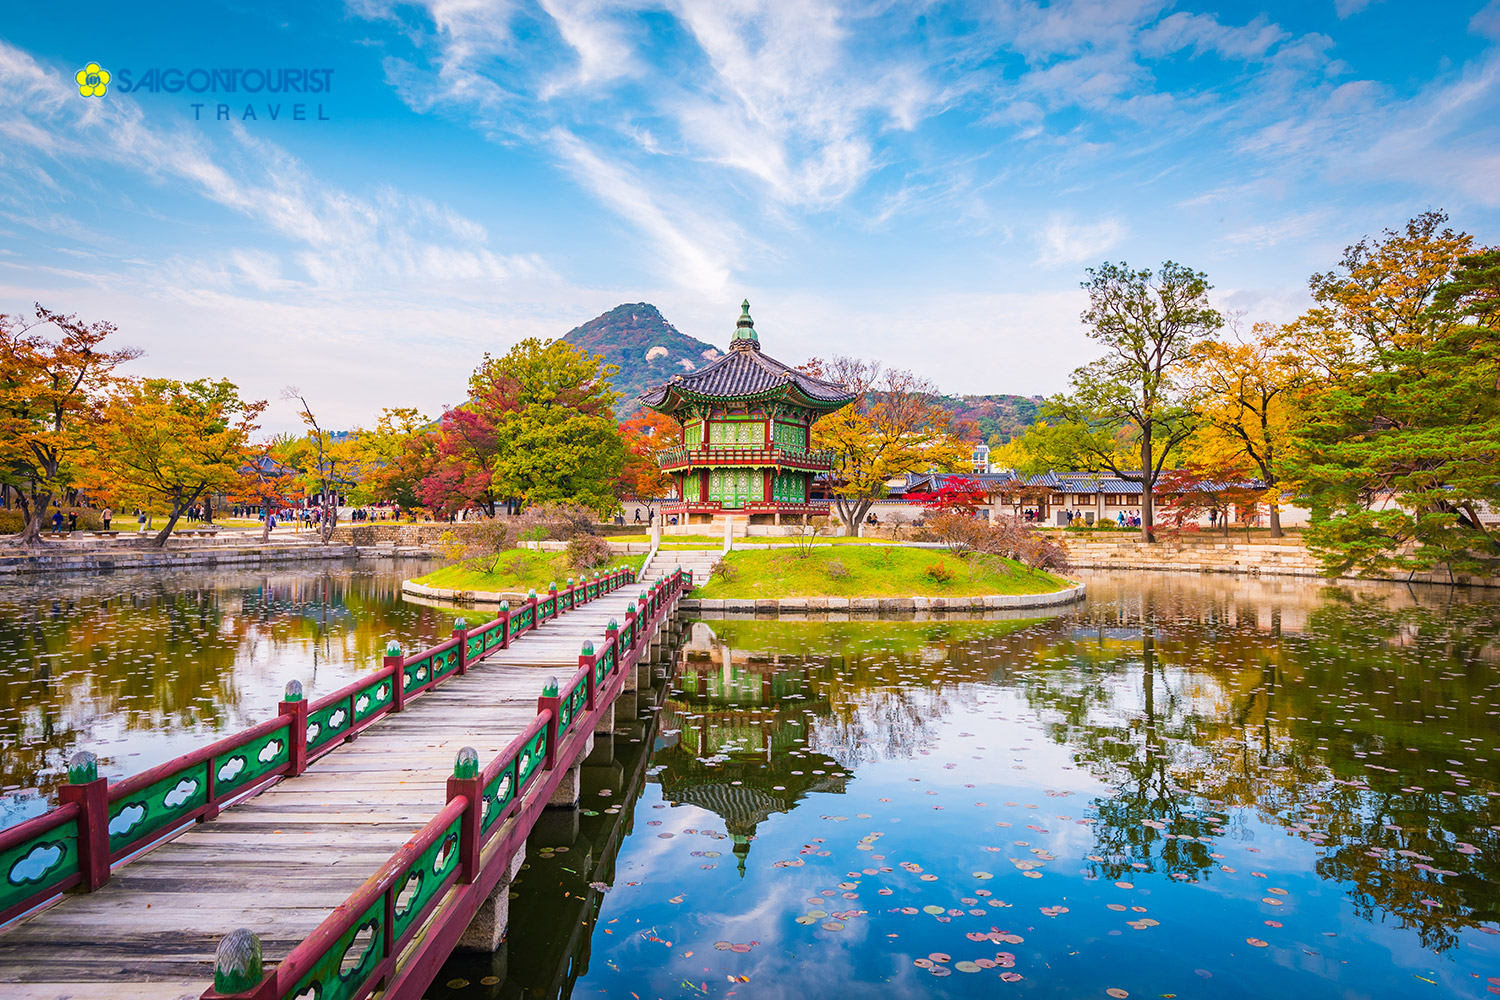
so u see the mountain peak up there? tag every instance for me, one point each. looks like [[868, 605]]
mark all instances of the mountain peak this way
[[648, 350]]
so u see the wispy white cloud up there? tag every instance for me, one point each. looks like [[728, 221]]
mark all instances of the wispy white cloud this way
[[337, 240], [1061, 242]]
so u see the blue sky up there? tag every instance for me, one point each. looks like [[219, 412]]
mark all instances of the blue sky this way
[[919, 182]]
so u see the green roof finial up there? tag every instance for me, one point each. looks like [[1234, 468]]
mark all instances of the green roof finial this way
[[745, 328]]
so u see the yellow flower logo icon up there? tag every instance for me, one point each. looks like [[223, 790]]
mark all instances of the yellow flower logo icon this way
[[92, 81]]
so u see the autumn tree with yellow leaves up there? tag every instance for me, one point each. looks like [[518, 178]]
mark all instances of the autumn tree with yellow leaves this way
[[894, 426], [55, 372], [171, 444], [1247, 411]]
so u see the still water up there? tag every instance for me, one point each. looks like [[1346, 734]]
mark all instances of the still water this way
[[142, 667], [1188, 788]]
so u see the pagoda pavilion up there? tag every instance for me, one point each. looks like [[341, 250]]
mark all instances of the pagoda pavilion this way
[[746, 420]]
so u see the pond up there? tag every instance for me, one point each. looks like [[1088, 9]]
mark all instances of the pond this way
[[1188, 787], [141, 667]]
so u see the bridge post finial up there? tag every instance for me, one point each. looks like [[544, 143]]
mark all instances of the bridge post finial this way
[[237, 962]]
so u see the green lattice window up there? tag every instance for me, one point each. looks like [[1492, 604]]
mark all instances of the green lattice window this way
[[737, 432], [786, 487], [791, 436], [692, 434]]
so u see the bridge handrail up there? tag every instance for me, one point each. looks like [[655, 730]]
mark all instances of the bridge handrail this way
[[469, 830], [29, 847], [377, 906], [114, 820]]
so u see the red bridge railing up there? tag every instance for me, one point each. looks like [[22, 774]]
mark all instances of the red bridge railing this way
[[453, 859], [101, 824]]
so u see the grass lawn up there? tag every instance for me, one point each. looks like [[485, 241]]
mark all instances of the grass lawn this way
[[851, 638], [717, 541], [871, 571], [515, 571]]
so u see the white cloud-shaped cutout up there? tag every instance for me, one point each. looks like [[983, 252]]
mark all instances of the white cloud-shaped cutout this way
[[231, 768], [313, 729], [361, 703], [337, 719], [126, 819], [502, 789], [269, 751], [35, 864], [381, 692], [181, 793]]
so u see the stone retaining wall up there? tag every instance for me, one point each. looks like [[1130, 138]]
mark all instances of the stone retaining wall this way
[[878, 605], [97, 560], [1267, 557]]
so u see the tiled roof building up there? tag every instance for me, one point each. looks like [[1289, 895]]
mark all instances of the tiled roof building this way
[[746, 423]]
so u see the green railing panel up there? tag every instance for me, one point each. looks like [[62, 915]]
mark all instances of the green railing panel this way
[[341, 972], [371, 700], [567, 599], [39, 863], [414, 675], [627, 636], [157, 807], [579, 702], [549, 607], [498, 794], [604, 664], [475, 644], [425, 878], [533, 756], [254, 760], [445, 663], [327, 723]]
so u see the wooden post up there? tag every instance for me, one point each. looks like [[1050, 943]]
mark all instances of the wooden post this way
[[531, 599], [465, 781], [550, 702], [586, 658], [612, 636], [91, 792], [461, 633], [293, 705], [552, 596], [393, 658], [504, 624]]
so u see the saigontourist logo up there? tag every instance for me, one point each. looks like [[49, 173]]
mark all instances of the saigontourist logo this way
[[281, 82], [92, 81]]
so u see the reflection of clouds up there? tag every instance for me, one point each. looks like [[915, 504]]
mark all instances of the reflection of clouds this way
[[35, 864], [180, 793], [125, 820], [143, 667]]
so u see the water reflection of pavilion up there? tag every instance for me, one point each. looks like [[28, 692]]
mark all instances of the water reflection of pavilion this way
[[733, 735]]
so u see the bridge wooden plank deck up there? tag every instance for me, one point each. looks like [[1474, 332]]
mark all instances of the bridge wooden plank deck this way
[[278, 863]]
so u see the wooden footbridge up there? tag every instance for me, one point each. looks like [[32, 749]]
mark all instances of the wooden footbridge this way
[[343, 848]]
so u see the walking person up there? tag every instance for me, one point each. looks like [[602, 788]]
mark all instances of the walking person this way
[[105, 515], [72, 520], [57, 521]]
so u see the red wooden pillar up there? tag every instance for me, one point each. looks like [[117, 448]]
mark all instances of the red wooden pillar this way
[[465, 781], [531, 600], [91, 793], [612, 637], [294, 706], [398, 676], [586, 658], [552, 596], [461, 633], [549, 702], [504, 624]]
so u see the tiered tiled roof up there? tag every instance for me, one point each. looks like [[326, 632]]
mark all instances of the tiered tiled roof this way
[[746, 373]]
